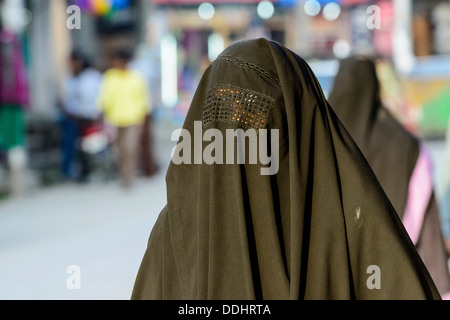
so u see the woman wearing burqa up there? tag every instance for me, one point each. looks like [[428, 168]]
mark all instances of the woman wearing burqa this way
[[398, 159], [317, 229]]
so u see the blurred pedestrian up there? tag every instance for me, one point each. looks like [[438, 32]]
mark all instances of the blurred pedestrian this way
[[399, 160], [147, 158], [79, 113], [143, 64], [124, 100], [14, 99], [317, 229]]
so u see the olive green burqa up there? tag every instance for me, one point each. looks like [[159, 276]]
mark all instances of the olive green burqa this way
[[320, 228], [391, 151]]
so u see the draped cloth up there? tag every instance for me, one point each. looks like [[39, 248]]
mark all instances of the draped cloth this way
[[14, 88], [399, 160], [321, 227], [14, 92]]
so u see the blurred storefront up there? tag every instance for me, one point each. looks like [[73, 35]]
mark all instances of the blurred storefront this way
[[194, 33], [47, 44], [175, 40], [411, 39], [427, 84], [107, 25]]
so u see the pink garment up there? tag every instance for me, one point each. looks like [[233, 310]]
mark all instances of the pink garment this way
[[13, 75], [419, 193]]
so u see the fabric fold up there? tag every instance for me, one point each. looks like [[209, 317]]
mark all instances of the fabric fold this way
[[320, 227]]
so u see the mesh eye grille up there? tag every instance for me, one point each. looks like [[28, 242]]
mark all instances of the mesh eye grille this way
[[245, 107]]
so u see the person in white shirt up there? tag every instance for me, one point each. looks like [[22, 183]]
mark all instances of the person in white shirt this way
[[79, 113]]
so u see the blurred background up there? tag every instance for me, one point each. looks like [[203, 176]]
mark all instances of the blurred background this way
[[62, 237]]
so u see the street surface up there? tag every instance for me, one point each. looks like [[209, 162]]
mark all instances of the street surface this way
[[99, 227]]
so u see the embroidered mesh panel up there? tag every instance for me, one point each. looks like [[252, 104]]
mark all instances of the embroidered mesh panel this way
[[244, 64], [245, 107]]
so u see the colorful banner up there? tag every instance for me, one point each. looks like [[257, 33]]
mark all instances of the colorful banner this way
[[102, 7]]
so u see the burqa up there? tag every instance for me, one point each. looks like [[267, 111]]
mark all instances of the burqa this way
[[396, 156], [316, 229]]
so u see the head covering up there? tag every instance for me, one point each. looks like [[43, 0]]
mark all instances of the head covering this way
[[356, 100], [317, 229], [397, 157]]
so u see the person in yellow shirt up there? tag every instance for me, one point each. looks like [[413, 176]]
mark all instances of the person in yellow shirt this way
[[124, 101]]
